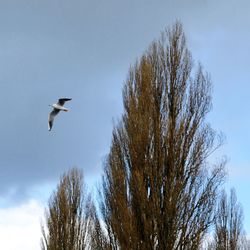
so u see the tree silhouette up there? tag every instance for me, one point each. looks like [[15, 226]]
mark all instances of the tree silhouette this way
[[229, 233], [158, 190], [67, 216]]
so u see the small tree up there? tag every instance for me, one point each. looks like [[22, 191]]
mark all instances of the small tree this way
[[158, 192], [229, 234], [67, 216], [98, 236]]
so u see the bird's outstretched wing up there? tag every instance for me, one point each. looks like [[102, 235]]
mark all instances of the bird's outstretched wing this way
[[52, 115], [61, 101]]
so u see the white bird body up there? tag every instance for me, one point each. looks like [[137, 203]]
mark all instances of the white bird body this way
[[57, 107], [60, 107]]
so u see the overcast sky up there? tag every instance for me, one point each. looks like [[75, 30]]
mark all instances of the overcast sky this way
[[83, 49]]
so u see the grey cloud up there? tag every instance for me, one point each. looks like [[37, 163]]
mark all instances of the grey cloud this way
[[79, 49]]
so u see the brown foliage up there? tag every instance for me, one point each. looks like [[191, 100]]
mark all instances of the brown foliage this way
[[158, 192], [67, 216]]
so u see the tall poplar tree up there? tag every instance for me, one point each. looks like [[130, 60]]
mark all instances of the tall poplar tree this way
[[159, 191]]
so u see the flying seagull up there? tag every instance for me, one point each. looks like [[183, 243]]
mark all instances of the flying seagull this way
[[57, 107]]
